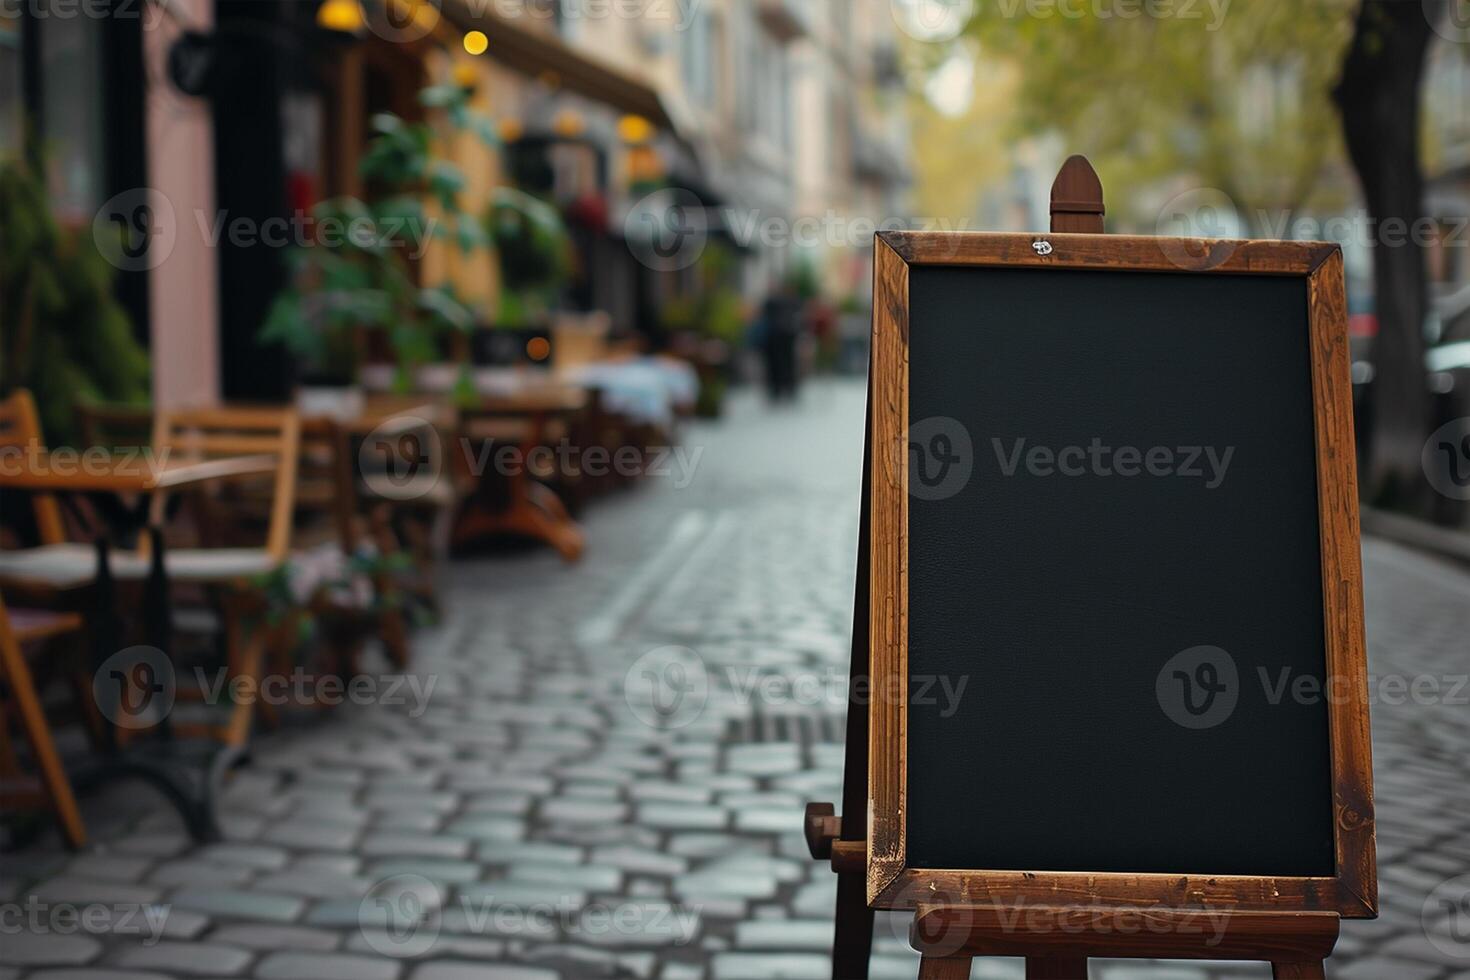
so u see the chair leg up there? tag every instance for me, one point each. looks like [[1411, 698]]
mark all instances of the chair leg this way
[[944, 968], [33, 721], [245, 656], [1311, 970], [394, 632]]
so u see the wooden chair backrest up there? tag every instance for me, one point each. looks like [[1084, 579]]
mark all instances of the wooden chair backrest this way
[[20, 434], [211, 433], [114, 426], [326, 456]]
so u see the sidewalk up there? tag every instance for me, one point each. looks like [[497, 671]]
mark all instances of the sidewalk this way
[[520, 819]]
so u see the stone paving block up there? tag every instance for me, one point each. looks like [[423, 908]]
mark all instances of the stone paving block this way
[[640, 860], [770, 966], [109, 867], [487, 828], [90, 891], [413, 845], [507, 921], [1144, 970], [570, 809], [258, 856], [521, 894], [48, 949], [313, 884], [586, 876], [813, 934], [108, 973], [236, 904], [501, 852], [326, 966], [202, 959], [268, 937], [619, 922], [449, 970], [682, 816], [187, 871], [312, 833], [161, 844]]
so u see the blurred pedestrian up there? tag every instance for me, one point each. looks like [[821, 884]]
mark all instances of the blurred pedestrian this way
[[781, 317]]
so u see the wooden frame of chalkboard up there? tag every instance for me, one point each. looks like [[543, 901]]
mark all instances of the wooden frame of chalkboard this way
[[891, 883]]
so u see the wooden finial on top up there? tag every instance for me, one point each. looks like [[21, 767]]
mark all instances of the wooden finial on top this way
[[1077, 198]]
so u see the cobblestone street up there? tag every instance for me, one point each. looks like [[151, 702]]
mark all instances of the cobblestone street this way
[[520, 814]]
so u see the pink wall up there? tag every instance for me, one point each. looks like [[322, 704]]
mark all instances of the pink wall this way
[[184, 290]]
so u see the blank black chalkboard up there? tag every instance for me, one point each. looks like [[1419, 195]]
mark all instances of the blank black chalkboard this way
[[1067, 602]]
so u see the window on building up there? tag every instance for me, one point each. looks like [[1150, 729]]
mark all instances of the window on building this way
[[12, 104], [71, 108]]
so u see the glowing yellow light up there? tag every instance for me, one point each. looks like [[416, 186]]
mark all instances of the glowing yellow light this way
[[568, 123], [511, 130], [538, 348], [341, 15], [635, 129], [475, 42]]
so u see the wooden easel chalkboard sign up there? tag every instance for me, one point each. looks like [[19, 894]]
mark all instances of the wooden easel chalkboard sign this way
[[1109, 627]]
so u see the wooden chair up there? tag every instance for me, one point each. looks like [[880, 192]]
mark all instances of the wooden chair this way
[[20, 701], [327, 462], [54, 564], [414, 509], [214, 560]]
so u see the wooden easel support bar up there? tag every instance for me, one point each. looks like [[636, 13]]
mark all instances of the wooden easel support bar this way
[[1017, 929]]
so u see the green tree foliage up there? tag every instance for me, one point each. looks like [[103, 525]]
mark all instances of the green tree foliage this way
[[1235, 97], [62, 334]]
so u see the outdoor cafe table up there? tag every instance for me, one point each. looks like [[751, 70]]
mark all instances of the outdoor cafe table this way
[[84, 471], [185, 779]]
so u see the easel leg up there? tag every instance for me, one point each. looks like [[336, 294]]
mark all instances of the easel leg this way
[[852, 939], [944, 968], [1311, 970], [1056, 968]]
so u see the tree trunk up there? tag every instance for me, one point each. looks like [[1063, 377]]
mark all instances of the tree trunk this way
[[1379, 98]]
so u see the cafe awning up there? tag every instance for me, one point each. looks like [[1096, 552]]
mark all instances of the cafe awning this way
[[535, 54]]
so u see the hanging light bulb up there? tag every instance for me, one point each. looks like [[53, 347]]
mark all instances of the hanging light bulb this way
[[345, 16]]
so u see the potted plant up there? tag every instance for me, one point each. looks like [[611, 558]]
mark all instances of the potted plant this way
[[62, 334], [361, 281]]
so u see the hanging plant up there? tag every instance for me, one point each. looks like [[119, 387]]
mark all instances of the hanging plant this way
[[534, 250]]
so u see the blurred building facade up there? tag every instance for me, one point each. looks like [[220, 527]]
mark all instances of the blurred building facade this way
[[761, 112]]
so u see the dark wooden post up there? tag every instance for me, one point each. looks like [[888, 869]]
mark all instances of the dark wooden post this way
[[1077, 198]]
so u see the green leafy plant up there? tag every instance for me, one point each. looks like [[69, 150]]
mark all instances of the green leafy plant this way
[[362, 276], [62, 334]]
